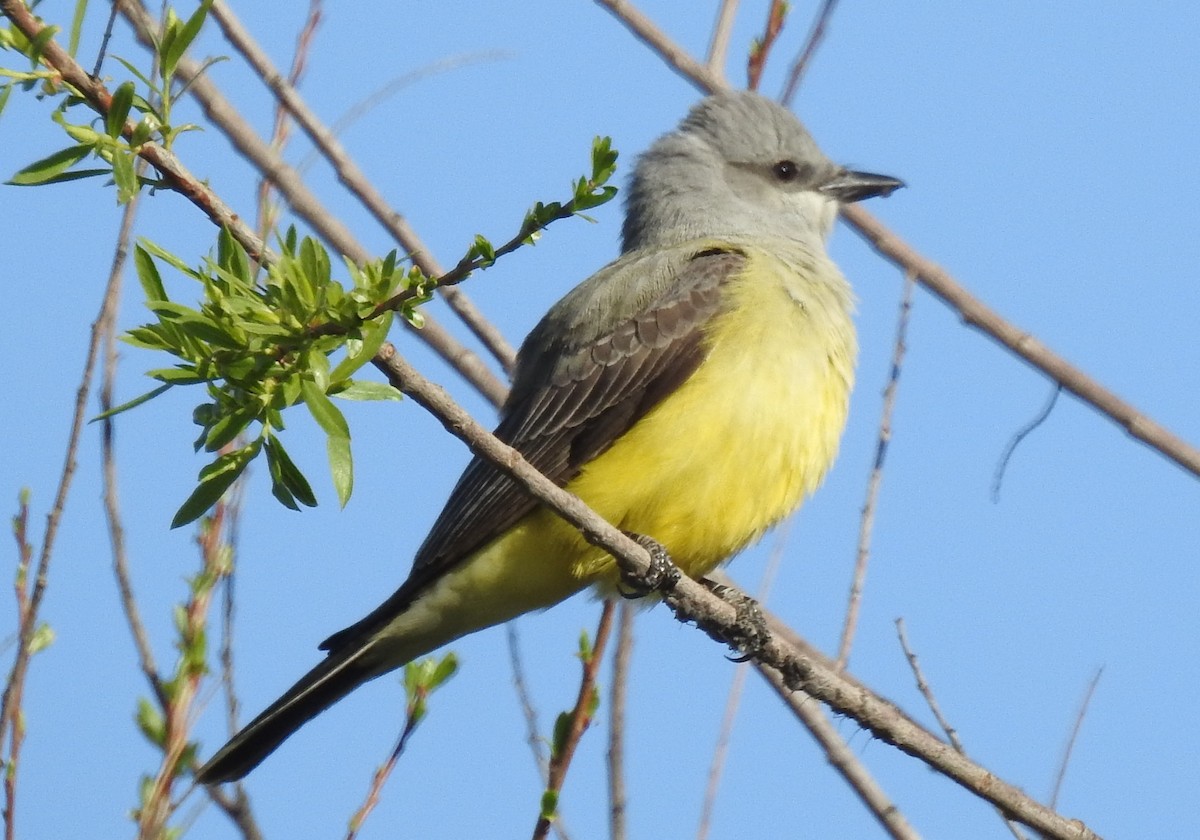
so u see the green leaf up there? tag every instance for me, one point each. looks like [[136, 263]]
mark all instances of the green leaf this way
[[74, 175], [365, 389], [444, 670], [148, 276], [5, 92], [227, 428], [323, 410], [318, 366], [215, 479], [341, 467], [288, 473], [118, 110], [38, 43], [133, 403], [40, 171], [150, 721], [204, 65], [125, 177], [132, 68], [231, 256], [169, 258], [374, 334], [183, 374], [179, 38], [41, 639], [76, 27], [562, 728], [549, 804]]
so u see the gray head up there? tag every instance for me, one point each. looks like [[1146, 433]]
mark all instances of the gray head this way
[[739, 165]]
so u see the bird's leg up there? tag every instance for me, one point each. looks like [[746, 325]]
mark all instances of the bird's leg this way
[[662, 575], [751, 627]]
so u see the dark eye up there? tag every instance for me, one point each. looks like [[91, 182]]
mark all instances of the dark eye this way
[[786, 170]]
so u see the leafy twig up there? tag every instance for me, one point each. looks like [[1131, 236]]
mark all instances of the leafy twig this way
[[421, 679], [569, 727], [761, 48]]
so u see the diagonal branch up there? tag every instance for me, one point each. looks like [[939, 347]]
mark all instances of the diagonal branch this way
[[355, 180], [972, 311], [284, 178], [796, 663]]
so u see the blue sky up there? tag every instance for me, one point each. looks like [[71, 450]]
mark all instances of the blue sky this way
[[1051, 152]]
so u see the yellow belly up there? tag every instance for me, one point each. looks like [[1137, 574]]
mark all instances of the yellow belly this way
[[746, 438], [726, 456]]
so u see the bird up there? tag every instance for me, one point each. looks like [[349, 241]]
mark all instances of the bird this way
[[692, 392]]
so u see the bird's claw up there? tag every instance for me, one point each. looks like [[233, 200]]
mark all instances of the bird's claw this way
[[660, 577], [751, 631]]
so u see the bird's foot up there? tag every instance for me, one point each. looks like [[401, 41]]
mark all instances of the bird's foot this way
[[751, 631], [660, 577]]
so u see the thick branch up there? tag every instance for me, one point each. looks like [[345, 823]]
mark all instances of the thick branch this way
[[693, 602]]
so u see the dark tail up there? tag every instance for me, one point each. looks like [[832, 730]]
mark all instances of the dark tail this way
[[316, 691]]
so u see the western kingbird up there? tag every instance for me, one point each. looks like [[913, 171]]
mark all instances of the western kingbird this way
[[693, 391]]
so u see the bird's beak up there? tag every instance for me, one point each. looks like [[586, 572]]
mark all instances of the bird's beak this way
[[847, 186]]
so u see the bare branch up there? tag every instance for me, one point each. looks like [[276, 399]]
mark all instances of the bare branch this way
[[618, 695], [733, 698], [843, 759], [675, 55], [761, 49], [354, 180], [972, 311], [815, 35], [1021, 434], [931, 701], [692, 602], [537, 745], [112, 509], [718, 47], [876, 477], [1070, 748]]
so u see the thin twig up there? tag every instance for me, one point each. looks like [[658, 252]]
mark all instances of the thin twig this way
[[974, 313], [537, 744], [1015, 441], [676, 56], [843, 759], [693, 602], [280, 129], [157, 805], [815, 35], [718, 46], [923, 687], [618, 798], [353, 178], [1075, 729], [761, 49], [867, 520], [736, 685], [104, 39], [411, 720], [580, 717], [943, 722], [12, 761], [112, 509], [52, 53]]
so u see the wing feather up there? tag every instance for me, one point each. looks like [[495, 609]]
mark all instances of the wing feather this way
[[575, 398]]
